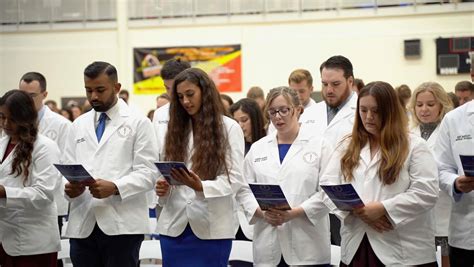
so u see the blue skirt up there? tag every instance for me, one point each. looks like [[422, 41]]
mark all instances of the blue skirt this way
[[188, 250]]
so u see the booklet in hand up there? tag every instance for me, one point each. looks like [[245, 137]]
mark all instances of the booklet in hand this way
[[344, 196], [269, 196], [165, 169], [75, 173], [467, 164]]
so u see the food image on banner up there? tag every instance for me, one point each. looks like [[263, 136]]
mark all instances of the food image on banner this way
[[222, 63]]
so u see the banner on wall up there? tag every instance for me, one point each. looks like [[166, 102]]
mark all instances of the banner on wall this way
[[222, 63]]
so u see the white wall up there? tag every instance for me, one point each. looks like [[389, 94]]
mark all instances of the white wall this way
[[270, 51]]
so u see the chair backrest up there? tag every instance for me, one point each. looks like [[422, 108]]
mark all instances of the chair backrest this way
[[63, 229], [150, 249], [335, 255], [241, 251], [438, 255], [64, 252]]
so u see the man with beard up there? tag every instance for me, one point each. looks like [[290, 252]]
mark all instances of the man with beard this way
[[335, 115], [108, 218]]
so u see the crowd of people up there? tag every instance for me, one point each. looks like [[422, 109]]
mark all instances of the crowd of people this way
[[399, 149]]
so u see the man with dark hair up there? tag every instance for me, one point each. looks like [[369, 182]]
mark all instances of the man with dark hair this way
[[50, 124], [464, 91], [170, 69], [161, 117], [108, 221], [337, 112]]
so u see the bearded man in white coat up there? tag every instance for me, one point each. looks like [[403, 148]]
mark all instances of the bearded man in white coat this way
[[333, 118]]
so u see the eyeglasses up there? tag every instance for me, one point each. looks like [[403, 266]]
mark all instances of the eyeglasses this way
[[284, 111]]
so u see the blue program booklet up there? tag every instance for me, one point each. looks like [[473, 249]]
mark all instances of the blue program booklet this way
[[75, 173], [269, 196], [165, 169], [467, 162], [344, 196]]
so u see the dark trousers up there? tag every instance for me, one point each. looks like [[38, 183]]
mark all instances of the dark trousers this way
[[60, 225], [335, 229], [39, 260], [101, 250], [459, 257]]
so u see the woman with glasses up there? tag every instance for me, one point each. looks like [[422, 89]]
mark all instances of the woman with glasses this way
[[396, 177], [291, 158], [29, 234], [196, 224]]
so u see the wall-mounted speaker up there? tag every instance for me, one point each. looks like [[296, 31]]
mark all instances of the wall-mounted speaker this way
[[412, 48]]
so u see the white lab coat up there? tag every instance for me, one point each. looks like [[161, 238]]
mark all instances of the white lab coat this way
[[456, 137], [125, 155], [28, 216], [211, 213], [442, 209], [161, 118], [311, 103], [304, 240], [408, 202], [56, 128], [340, 126]]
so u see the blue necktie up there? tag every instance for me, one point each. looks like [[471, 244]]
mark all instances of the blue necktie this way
[[99, 131]]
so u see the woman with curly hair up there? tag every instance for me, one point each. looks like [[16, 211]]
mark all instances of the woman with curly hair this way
[[29, 234], [196, 224]]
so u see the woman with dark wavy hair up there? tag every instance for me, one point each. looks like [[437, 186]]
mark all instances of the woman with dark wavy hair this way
[[248, 114], [196, 224], [250, 118], [29, 234], [396, 177]]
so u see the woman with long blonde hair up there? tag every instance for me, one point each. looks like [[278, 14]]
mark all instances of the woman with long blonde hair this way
[[396, 177], [429, 104]]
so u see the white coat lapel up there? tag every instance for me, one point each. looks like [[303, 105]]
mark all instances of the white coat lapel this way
[[3, 148], [274, 153], [347, 110], [296, 147], [370, 164], [432, 139], [113, 124], [470, 113], [416, 131], [90, 127]]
